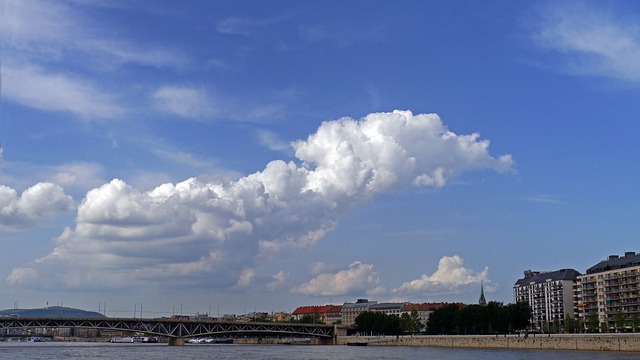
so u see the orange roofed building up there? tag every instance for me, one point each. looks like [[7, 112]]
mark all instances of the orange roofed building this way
[[326, 314]]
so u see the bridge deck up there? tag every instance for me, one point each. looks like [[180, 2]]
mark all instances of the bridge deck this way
[[173, 328]]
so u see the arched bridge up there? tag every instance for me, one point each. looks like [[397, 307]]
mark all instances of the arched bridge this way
[[177, 329]]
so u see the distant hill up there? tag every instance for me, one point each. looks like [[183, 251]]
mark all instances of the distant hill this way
[[52, 312]]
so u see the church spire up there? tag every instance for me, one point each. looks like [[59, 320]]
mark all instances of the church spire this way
[[482, 300]]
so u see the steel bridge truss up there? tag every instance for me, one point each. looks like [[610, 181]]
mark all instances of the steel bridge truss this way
[[173, 328]]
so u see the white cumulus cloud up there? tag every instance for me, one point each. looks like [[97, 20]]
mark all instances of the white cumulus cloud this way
[[387, 150], [246, 277], [278, 280], [20, 275], [451, 277], [212, 232], [85, 175], [357, 279], [319, 267], [43, 200]]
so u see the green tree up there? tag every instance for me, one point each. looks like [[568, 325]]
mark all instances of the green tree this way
[[309, 319], [634, 322], [410, 323], [579, 325], [519, 315], [391, 325], [416, 324], [366, 322], [593, 323], [378, 323], [569, 324], [556, 324], [495, 317], [603, 327], [620, 322], [443, 320]]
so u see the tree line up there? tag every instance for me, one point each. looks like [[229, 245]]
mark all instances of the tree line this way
[[379, 323], [493, 318]]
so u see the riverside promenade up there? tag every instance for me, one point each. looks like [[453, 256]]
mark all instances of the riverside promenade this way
[[590, 342]]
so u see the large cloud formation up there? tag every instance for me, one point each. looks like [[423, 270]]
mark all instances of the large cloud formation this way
[[195, 232]]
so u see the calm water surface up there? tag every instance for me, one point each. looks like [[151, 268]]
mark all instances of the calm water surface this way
[[20, 351]]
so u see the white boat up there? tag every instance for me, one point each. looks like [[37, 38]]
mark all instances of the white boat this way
[[122, 340]]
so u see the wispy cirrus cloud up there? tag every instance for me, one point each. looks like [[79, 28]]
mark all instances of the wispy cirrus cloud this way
[[44, 38], [593, 39], [343, 34], [185, 101], [33, 28], [245, 26], [272, 141], [235, 26], [35, 87], [543, 198], [200, 104]]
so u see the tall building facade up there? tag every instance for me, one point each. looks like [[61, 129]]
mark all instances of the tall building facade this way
[[550, 295], [350, 311], [610, 292]]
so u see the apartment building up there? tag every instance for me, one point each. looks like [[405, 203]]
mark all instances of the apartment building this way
[[550, 295], [350, 311], [609, 291]]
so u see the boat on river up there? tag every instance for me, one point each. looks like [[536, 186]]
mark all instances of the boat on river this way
[[357, 343]]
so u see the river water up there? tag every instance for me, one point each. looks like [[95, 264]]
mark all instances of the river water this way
[[49, 350]]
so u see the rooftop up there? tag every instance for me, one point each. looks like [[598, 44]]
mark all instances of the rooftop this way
[[324, 309], [535, 277], [426, 306], [629, 259]]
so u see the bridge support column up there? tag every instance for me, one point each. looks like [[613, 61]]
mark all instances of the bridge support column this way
[[176, 341]]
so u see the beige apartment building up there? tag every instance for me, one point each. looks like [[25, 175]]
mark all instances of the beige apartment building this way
[[550, 296], [350, 311], [609, 291]]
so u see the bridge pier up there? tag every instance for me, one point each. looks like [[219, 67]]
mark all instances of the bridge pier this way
[[326, 341], [176, 341]]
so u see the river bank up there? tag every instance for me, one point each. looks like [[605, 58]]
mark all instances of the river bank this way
[[580, 342], [589, 342]]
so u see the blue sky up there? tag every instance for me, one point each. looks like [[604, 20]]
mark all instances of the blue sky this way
[[253, 155]]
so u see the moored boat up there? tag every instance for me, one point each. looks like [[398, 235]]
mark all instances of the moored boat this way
[[357, 343], [122, 340]]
